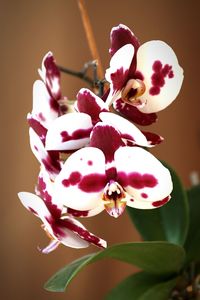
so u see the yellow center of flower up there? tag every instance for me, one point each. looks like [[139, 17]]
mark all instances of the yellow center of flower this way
[[114, 199], [132, 92]]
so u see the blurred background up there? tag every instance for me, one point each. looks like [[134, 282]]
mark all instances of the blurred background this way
[[28, 30]]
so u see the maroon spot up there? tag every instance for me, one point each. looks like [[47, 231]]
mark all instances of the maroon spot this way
[[119, 79], [154, 90], [157, 80], [47, 197], [158, 77], [90, 163], [54, 104], [51, 163], [76, 135], [66, 182], [39, 129], [133, 114], [139, 181], [149, 180], [157, 66], [130, 143], [65, 136], [144, 195], [161, 202], [171, 74], [77, 213], [74, 178], [52, 77], [54, 210], [41, 116], [165, 70], [92, 183], [136, 181], [41, 184], [122, 179], [153, 138], [57, 229], [111, 173], [32, 210], [36, 148], [131, 199], [127, 136], [42, 191]]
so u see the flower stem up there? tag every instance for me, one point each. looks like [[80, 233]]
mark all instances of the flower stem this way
[[79, 74], [90, 36]]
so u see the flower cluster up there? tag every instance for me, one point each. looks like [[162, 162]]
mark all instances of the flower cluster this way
[[92, 157]]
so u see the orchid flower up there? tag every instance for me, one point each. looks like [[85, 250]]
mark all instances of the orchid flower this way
[[72, 131], [110, 175], [47, 106], [60, 228], [143, 79], [48, 102]]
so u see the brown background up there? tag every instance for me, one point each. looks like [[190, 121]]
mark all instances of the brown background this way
[[28, 30]]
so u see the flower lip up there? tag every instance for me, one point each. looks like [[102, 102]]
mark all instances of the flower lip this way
[[114, 199], [132, 91]]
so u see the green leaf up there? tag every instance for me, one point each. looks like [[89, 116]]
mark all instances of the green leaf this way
[[142, 286], [160, 291], [169, 222], [192, 244], [159, 258]]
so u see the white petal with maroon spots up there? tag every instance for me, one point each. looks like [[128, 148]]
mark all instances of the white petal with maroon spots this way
[[50, 74], [37, 146], [82, 179], [37, 206], [42, 109], [44, 189], [117, 74], [68, 237], [69, 132], [42, 71], [162, 74], [142, 176], [46, 180], [126, 128], [52, 166], [120, 36], [58, 232], [121, 59], [86, 213], [77, 236]]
